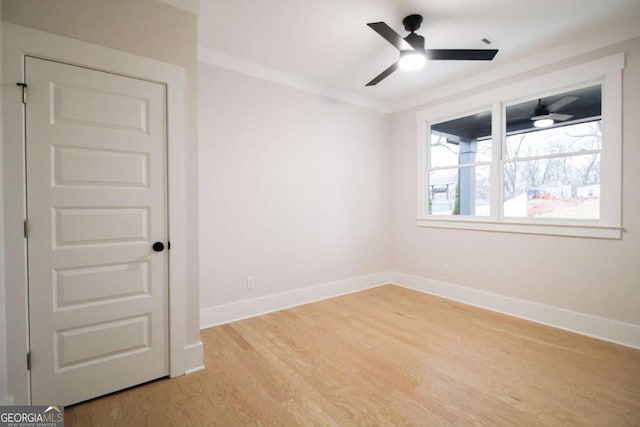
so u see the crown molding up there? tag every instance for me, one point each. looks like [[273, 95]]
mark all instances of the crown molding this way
[[620, 33], [229, 62]]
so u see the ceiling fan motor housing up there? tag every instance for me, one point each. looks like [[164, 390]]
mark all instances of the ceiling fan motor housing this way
[[412, 22], [541, 109], [412, 52]]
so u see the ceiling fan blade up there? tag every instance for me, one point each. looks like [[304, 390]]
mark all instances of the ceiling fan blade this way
[[383, 75], [562, 102], [461, 54], [561, 117], [387, 33], [541, 117], [554, 116]]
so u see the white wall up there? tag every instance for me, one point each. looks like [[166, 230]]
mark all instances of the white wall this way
[[591, 276], [3, 319], [294, 188]]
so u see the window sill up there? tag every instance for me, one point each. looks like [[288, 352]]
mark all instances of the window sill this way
[[572, 230]]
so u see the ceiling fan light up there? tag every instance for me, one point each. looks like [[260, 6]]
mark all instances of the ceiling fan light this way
[[411, 61], [543, 123]]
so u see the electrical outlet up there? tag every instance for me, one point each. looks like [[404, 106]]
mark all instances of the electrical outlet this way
[[251, 282], [445, 269]]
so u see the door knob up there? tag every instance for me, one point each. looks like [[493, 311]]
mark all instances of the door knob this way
[[158, 246]]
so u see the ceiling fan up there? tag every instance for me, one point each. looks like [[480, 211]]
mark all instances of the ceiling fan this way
[[544, 116], [413, 55]]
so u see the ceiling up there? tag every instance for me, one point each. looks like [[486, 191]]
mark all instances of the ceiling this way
[[328, 43]]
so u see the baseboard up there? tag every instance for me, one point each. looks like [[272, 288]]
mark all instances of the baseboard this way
[[597, 327], [605, 329], [194, 357], [226, 313]]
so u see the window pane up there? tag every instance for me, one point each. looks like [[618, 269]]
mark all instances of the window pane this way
[[443, 153], [465, 140], [483, 152], [459, 191], [559, 140], [565, 187], [562, 123]]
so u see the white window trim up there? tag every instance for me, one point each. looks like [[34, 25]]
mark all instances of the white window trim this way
[[608, 72]]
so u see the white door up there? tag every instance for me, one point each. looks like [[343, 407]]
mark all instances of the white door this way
[[96, 203]]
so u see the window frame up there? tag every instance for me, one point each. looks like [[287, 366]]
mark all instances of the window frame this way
[[430, 168], [605, 71]]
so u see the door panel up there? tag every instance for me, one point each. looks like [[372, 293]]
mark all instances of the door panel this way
[[96, 202], [91, 168], [91, 226], [73, 286], [95, 108], [95, 342]]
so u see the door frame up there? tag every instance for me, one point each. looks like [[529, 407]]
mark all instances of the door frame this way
[[19, 42]]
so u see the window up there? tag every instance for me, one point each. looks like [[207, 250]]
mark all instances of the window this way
[[553, 171], [540, 156], [459, 166]]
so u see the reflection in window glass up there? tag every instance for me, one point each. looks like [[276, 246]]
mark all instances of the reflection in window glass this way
[[552, 156]]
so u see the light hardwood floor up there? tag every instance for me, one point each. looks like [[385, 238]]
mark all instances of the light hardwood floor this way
[[387, 357]]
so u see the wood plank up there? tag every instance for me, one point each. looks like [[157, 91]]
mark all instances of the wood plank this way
[[387, 356]]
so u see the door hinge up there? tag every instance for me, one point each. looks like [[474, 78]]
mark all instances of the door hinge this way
[[24, 92], [28, 361], [26, 229]]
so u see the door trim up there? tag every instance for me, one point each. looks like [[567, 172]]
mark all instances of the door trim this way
[[19, 42]]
